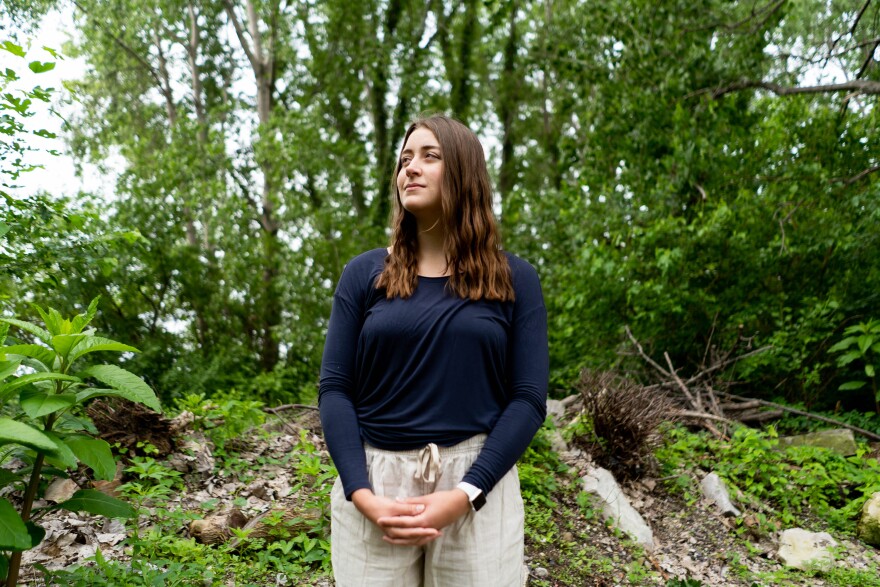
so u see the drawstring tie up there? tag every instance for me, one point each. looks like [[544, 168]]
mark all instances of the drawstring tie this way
[[429, 464]]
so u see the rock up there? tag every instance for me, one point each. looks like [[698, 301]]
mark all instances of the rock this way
[[799, 548], [616, 507], [542, 573], [715, 490], [840, 440], [557, 442], [869, 524], [556, 409]]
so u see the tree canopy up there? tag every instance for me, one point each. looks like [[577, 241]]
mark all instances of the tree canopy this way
[[705, 173]]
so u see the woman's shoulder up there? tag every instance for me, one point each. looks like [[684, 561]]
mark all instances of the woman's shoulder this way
[[371, 258], [363, 268], [518, 265]]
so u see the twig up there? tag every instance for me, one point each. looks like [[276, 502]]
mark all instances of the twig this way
[[703, 416], [290, 407], [696, 403], [643, 354]]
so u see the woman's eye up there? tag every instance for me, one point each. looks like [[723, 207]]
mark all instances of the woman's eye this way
[[404, 160]]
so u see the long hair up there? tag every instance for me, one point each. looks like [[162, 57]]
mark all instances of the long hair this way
[[477, 267]]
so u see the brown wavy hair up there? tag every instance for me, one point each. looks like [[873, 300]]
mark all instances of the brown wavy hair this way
[[477, 267]]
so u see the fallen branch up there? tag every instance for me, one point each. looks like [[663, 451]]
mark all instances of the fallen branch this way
[[281, 408], [862, 431]]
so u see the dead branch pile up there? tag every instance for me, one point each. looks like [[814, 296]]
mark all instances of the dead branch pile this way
[[625, 419], [705, 400]]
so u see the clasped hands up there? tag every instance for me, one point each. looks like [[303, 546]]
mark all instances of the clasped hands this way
[[412, 521]]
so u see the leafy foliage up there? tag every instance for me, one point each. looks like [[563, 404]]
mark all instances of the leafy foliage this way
[[792, 482], [42, 428]]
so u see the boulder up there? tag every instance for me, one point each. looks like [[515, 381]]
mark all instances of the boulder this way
[[840, 440], [800, 548], [715, 491], [616, 507], [869, 523]]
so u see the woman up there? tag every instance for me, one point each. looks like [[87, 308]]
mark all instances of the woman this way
[[433, 382]]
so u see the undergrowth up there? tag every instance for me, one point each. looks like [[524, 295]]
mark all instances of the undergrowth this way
[[794, 484]]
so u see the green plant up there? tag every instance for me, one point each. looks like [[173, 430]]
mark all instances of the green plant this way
[[47, 426], [861, 343]]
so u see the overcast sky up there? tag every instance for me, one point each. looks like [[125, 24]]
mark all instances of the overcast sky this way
[[58, 176]]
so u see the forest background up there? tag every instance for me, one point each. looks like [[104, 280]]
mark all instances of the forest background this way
[[705, 173]]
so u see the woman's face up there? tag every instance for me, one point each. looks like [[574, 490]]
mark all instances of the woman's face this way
[[420, 178]]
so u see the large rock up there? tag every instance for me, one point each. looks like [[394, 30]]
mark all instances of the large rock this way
[[800, 548], [716, 492], [840, 440], [869, 524], [616, 507]]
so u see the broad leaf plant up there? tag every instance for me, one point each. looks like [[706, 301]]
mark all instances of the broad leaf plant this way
[[44, 386]]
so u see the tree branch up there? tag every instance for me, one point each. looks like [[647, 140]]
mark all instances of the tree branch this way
[[858, 86], [239, 32], [856, 177]]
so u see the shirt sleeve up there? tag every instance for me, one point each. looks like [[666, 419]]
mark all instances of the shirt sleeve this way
[[337, 383], [528, 370]]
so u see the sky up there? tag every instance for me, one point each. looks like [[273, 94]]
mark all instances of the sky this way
[[58, 176]]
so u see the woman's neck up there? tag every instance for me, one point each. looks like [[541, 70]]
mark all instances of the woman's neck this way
[[432, 253]]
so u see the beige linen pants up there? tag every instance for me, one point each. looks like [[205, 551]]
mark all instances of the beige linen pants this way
[[482, 549]]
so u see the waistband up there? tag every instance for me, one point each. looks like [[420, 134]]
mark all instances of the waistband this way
[[474, 443]]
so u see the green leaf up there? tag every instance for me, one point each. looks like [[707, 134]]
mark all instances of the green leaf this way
[[847, 358], [12, 48], [36, 402], [41, 67], [4, 566], [80, 321], [869, 370], [843, 344], [865, 342], [95, 453], [4, 330], [36, 351], [95, 343], [95, 502], [7, 368], [36, 533], [12, 431], [43, 335], [129, 385], [7, 477], [4, 228], [14, 534], [18, 382], [62, 343], [53, 320], [62, 457], [850, 385]]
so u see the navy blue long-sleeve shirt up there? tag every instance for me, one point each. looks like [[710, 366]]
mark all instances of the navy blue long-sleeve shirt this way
[[402, 373]]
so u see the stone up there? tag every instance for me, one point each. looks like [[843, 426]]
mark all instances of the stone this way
[[800, 548], [715, 491], [617, 508], [840, 440], [542, 573], [869, 523], [556, 409], [557, 442]]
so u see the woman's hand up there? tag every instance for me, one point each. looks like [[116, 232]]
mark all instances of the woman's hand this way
[[440, 509], [376, 508]]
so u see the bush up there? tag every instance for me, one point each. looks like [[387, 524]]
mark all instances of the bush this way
[[625, 418]]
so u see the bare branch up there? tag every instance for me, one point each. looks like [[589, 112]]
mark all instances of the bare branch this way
[[153, 73], [239, 32], [862, 431], [858, 86], [856, 177]]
